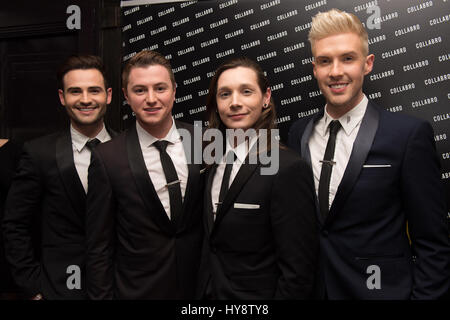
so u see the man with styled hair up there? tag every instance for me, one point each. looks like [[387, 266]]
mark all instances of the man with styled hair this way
[[144, 208], [50, 189], [377, 176]]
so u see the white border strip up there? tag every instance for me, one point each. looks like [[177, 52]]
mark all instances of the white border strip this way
[[143, 2]]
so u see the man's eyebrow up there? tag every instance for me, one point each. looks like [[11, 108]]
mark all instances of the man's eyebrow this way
[[73, 88], [342, 54]]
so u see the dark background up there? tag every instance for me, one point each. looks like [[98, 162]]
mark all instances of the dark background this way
[[395, 49], [34, 40]]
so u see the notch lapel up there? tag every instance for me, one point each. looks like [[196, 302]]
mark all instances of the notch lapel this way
[[144, 183], [69, 175], [360, 150]]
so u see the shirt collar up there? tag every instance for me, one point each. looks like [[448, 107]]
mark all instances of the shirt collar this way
[[146, 139], [350, 120], [79, 140], [241, 149]]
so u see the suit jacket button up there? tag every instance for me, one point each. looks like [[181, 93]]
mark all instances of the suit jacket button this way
[[325, 233], [213, 249]]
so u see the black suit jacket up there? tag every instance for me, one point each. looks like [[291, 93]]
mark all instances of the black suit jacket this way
[[269, 251], [47, 190], [392, 178], [134, 250]]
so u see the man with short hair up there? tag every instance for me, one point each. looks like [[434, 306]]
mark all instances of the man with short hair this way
[[375, 174], [51, 184], [144, 212]]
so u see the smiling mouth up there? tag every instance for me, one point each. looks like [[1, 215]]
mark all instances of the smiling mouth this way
[[338, 85], [86, 109], [151, 109]]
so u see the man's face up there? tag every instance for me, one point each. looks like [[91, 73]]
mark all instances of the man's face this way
[[239, 98], [151, 95], [84, 97], [339, 67]]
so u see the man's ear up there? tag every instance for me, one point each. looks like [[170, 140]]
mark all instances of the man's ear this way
[[368, 66], [124, 90], [108, 95], [61, 97], [267, 96], [314, 68]]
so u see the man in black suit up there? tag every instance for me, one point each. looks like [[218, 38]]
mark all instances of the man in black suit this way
[[144, 210], [375, 174], [51, 183]]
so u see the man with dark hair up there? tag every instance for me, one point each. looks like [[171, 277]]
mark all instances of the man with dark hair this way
[[376, 173], [51, 183], [144, 205]]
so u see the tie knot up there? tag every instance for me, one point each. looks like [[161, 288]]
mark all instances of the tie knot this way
[[335, 125], [161, 145], [91, 144]]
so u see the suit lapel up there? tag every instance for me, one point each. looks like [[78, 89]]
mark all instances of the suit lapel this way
[[208, 201], [193, 177], [360, 150], [111, 132], [144, 183], [306, 154], [69, 175], [244, 173]]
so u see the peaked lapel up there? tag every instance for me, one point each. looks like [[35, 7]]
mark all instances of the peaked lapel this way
[[144, 183], [193, 177], [245, 172], [71, 180], [360, 150]]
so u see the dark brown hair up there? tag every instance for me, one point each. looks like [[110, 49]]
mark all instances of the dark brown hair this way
[[83, 62], [146, 58], [268, 115]]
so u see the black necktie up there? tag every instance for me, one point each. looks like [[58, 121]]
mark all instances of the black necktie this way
[[226, 177], [91, 144], [327, 166], [173, 183]]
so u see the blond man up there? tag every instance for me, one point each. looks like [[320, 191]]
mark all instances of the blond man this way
[[374, 172]]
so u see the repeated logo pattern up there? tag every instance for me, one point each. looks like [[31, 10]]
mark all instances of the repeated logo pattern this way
[[409, 39]]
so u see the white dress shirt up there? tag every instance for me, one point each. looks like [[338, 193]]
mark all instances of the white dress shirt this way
[[241, 152], [82, 154], [153, 162], [350, 122]]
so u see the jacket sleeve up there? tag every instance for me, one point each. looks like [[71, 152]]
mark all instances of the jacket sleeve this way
[[100, 235], [295, 230], [425, 208], [23, 205]]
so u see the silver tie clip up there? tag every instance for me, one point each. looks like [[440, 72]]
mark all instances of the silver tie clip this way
[[173, 182], [328, 161]]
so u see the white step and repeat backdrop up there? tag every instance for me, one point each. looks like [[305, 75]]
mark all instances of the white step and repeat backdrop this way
[[409, 39]]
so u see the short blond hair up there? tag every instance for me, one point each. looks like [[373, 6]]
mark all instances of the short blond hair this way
[[335, 21]]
